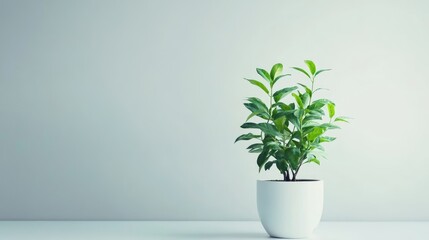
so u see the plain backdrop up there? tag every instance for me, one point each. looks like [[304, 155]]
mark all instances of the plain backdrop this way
[[129, 109]]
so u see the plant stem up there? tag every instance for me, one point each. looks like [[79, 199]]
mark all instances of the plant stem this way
[[312, 87], [271, 104], [286, 176], [295, 173], [269, 110], [291, 137], [302, 158]]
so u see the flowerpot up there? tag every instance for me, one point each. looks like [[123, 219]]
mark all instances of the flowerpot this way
[[290, 209]]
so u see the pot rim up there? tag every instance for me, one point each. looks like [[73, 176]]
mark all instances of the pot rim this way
[[300, 181]]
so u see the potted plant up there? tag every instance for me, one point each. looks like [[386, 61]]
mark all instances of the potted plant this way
[[289, 134]]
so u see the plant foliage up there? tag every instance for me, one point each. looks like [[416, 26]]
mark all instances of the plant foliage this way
[[290, 133]]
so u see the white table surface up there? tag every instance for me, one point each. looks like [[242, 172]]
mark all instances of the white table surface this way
[[125, 230]]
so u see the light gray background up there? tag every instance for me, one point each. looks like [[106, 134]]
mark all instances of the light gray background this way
[[129, 109]]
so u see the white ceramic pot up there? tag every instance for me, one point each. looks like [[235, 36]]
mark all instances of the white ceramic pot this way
[[290, 209]]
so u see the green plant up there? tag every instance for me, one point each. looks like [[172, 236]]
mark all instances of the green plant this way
[[290, 134]]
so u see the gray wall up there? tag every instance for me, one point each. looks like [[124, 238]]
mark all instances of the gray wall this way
[[129, 109]]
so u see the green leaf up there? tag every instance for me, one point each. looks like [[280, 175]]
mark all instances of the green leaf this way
[[320, 147], [314, 114], [252, 107], [310, 124], [267, 139], [318, 89], [305, 99], [298, 100], [329, 126], [299, 113], [281, 165], [264, 74], [269, 129], [315, 160], [257, 111], [316, 147], [256, 148], [321, 70], [326, 139], [311, 66], [268, 165], [262, 158], [250, 125], [282, 106], [317, 111], [331, 109], [292, 157], [255, 145], [280, 76], [307, 89], [280, 155], [317, 131], [258, 102], [261, 114], [341, 119], [297, 135], [291, 117], [308, 129], [302, 70], [247, 136], [257, 107], [319, 103], [310, 117], [280, 123], [275, 145], [282, 113], [317, 153], [283, 93], [259, 84], [276, 70], [252, 115]]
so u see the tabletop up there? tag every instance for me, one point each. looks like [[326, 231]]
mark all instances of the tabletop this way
[[127, 230]]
